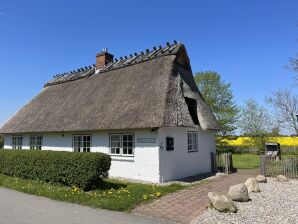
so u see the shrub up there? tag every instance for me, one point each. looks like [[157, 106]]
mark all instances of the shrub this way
[[68, 168]]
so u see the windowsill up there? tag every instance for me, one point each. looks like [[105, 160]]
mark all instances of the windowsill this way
[[193, 151], [122, 158]]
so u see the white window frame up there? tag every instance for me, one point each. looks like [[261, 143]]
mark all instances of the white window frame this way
[[82, 147], [192, 141], [33, 142], [124, 145], [19, 142]]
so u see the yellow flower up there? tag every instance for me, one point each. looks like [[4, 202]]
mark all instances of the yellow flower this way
[[245, 141], [157, 194], [145, 196]]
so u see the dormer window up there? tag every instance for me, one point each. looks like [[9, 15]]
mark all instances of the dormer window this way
[[192, 108]]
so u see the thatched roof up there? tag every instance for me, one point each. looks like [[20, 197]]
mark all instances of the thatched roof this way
[[142, 91]]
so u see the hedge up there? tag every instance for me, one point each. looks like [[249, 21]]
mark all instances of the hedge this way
[[68, 168]]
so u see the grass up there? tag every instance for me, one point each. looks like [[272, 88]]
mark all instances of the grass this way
[[246, 161], [112, 195], [249, 161]]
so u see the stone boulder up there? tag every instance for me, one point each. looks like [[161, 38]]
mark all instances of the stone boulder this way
[[282, 178], [239, 193], [261, 179], [222, 202], [252, 185]]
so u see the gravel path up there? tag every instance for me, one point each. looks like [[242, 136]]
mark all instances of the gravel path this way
[[277, 203]]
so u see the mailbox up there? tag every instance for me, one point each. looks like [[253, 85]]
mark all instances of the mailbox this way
[[170, 144]]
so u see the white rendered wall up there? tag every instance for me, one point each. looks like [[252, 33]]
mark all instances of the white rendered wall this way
[[180, 163], [150, 163], [144, 165]]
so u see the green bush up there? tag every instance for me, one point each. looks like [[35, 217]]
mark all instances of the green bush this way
[[68, 168]]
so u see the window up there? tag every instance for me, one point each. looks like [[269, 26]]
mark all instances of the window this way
[[192, 139], [35, 142], [121, 144], [82, 143], [17, 142], [192, 108]]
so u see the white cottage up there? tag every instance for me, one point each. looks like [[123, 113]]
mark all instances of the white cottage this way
[[145, 110]]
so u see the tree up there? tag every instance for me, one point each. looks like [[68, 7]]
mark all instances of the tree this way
[[294, 67], [285, 105], [255, 121], [294, 63], [1, 141], [218, 95]]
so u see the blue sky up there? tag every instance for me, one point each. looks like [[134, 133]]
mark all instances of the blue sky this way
[[247, 42]]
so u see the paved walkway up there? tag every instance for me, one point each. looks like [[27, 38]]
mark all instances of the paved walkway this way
[[185, 205], [20, 208]]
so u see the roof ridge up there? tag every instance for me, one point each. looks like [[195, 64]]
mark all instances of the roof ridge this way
[[122, 62]]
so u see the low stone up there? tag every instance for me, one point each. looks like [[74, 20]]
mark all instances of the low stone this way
[[261, 179], [282, 178], [239, 193], [252, 185], [222, 202]]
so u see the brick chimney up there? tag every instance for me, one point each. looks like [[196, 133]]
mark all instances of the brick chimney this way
[[103, 58]]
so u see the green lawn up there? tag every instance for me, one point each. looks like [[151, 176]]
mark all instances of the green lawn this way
[[112, 195], [246, 161]]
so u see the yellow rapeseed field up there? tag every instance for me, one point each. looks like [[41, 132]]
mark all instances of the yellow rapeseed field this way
[[283, 141]]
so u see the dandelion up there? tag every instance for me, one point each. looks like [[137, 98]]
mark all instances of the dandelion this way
[[157, 194], [145, 196]]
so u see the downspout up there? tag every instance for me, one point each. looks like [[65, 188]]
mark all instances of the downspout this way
[[161, 157]]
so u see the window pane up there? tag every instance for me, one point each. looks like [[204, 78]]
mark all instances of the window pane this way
[[115, 137], [115, 144], [130, 137]]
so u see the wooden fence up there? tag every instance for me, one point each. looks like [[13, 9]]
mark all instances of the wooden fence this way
[[222, 162], [287, 166]]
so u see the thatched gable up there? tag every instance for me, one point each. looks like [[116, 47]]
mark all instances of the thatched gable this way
[[148, 90]]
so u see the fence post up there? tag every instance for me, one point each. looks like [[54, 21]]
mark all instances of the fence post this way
[[262, 165], [213, 162], [227, 162]]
